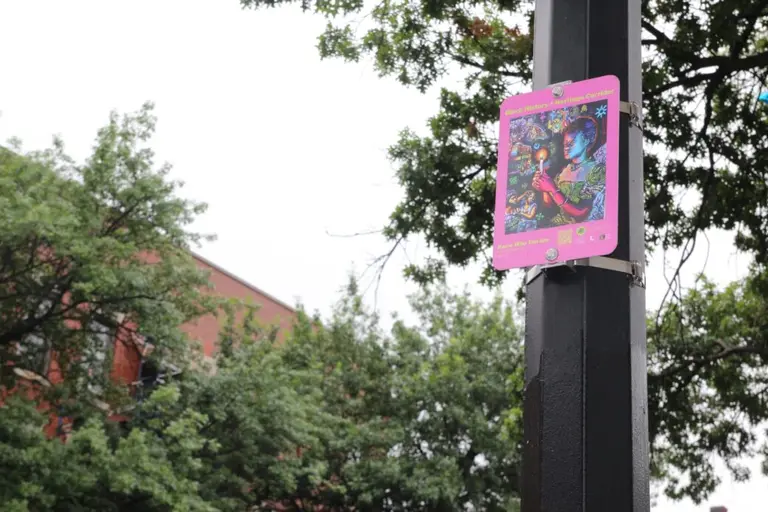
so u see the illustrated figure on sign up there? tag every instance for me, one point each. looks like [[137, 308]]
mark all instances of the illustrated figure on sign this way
[[578, 190], [523, 208], [519, 158]]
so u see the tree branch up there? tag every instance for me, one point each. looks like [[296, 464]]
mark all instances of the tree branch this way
[[690, 81], [726, 64], [726, 351], [729, 64], [658, 34], [461, 59]]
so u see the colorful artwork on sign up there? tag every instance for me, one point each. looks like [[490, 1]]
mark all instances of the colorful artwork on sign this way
[[557, 179]]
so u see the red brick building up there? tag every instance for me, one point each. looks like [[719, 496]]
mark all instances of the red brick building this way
[[271, 312], [205, 330], [129, 365]]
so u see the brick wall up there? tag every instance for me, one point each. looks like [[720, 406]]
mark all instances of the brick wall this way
[[205, 330]]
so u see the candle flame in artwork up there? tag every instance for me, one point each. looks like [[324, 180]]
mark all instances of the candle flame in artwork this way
[[542, 155]]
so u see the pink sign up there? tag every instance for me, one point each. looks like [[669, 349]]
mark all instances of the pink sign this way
[[558, 173]]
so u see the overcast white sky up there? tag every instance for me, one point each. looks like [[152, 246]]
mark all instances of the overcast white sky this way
[[283, 147]]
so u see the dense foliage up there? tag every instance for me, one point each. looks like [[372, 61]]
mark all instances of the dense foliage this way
[[341, 417], [97, 469], [708, 385], [431, 413], [344, 416], [87, 250]]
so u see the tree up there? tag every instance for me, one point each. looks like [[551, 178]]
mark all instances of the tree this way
[[451, 393], [708, 384], [704, 63], [93, 250], [98, 470], [431, 412], [202, 443], [340, 417], [266, 421], [344, 416]]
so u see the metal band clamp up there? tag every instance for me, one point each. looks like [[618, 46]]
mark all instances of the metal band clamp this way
[[634, 112], [633, 269]]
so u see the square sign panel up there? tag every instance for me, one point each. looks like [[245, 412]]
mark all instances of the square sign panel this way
[[558, 174]]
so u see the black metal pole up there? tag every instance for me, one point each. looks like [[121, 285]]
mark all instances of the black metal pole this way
[[585, 412]]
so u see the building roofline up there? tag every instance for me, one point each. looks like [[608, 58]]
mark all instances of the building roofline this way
[[242, 281]]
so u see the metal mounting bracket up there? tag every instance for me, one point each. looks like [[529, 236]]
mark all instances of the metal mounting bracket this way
[[633, 269], [634, 112]]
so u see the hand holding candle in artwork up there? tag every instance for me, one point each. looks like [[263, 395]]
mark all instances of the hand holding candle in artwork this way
[[546, 198], [538, 173], [542, 181]]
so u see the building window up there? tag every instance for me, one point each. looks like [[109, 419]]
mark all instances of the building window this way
[[33, 349], [34, 354], [152, 372], [149, 378], [97, 356]]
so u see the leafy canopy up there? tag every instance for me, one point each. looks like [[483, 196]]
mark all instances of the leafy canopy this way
[[431, 412], [342, 416], [97, 470], [704, 62], [82, 245]]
